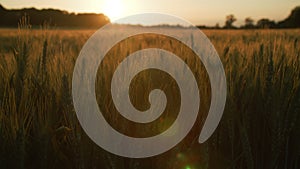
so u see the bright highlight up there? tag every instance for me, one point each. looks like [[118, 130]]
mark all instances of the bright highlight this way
[[114, 9]]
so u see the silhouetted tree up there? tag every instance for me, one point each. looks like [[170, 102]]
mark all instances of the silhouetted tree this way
[[230, 19], [293, 20], [249, 23], [266, 24]]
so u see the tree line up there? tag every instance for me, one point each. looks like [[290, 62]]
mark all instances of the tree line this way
[[60, 19], [52, 17], [292, 21]]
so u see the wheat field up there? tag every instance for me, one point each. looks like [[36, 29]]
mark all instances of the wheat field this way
[[260, 127]]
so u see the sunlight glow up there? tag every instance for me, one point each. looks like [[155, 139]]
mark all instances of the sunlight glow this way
[[199, 12], [187, 167], [114, 9]]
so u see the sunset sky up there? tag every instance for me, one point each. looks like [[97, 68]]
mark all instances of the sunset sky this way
[[208, 12]]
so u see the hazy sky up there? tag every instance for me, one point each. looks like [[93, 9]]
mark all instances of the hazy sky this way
[[207, 12]]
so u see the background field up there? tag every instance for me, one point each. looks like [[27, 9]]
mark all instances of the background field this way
[[260, 127]]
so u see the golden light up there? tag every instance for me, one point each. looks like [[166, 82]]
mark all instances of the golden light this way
[[114, 9]]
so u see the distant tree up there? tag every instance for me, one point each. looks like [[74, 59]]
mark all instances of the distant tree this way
[[292, 21], [266, 24], [217, 26], [249, 23], [230, 19], [1, 7]]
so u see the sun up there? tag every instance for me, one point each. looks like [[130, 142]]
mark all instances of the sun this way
[[113, 9]]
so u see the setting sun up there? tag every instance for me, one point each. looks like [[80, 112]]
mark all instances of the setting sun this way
[[114, 9]]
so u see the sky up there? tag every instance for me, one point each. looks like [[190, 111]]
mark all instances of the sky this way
[[198, 12]]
